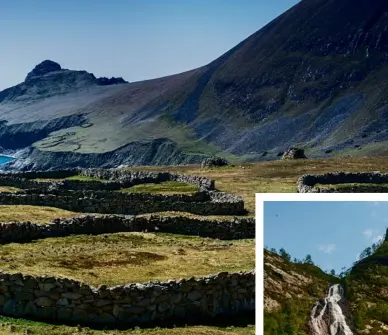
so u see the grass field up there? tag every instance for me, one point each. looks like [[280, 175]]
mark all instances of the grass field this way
[[168, 187], [22, 327], [9, 189], [77, 177], [35, 214], [114, 259]]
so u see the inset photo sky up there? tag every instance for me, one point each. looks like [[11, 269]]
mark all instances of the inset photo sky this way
[[334, 233]]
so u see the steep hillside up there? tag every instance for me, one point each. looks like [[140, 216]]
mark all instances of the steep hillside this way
[[368, 280], [314, 77], [290, 291]]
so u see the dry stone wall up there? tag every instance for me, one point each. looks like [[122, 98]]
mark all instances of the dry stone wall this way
[[228, 229], [64, 300], [102, 197], [117, 177], [67, 301], [307, 183], [129, 203]]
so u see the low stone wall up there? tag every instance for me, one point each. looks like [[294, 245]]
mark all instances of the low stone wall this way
[[107, 202], [306, 183], [114, 179], [131, 178], [44, 187], [101, 197], [67, 301], [228, 229]]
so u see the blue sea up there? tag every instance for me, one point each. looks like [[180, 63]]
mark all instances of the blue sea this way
[[5, 159]]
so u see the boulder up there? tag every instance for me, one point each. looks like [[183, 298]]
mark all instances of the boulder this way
[[214, 161], [294, 153]]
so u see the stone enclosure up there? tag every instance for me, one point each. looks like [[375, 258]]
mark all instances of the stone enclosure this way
[[307, 183], [225, 229], [104, 197], [67, 301]]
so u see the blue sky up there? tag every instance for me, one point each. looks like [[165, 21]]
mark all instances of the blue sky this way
[[333, 233], [135, 39]]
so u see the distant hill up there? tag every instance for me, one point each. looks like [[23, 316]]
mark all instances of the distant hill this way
[[315, 77]]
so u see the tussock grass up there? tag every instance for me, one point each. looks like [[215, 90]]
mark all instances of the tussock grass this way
[[21, 327], [9, 189], [37, 214], [86, 178], [127, 257], [168, 187]]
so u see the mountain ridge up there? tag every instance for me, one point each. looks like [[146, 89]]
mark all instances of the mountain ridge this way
[[314, 77]]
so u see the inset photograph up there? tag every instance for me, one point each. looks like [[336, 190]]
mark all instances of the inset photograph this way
[[325, 264]]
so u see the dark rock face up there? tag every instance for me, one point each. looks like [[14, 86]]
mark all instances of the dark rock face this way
[[214, 161], [49, 66], [110, 81], [294, 153], [43, 68]]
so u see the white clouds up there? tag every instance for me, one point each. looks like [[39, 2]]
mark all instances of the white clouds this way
[[327, 248], [368, 233], [372, 235], [375, 203], [377, 238]]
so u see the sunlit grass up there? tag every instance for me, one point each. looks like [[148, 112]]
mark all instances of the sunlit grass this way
[[127, 257], [9, 189], [37, 214], [77, 177], [21, 327], [168, 187]]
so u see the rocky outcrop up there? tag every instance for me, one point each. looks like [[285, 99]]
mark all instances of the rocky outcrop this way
[[103, 81], [43, 68], [49, 66], [294, 153], [155, 152], [214, 161]]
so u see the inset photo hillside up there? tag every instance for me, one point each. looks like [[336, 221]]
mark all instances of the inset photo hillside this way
[[325, 264]]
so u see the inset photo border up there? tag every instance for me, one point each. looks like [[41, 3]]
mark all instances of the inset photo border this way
[[328, 227]]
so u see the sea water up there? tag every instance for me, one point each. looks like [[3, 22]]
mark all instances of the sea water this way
[[5, 159]]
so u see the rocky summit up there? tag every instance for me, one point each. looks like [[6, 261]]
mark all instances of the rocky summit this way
[[313, 78], [43, 68]]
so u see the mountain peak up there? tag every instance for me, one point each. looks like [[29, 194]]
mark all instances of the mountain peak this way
[[42, 68]]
